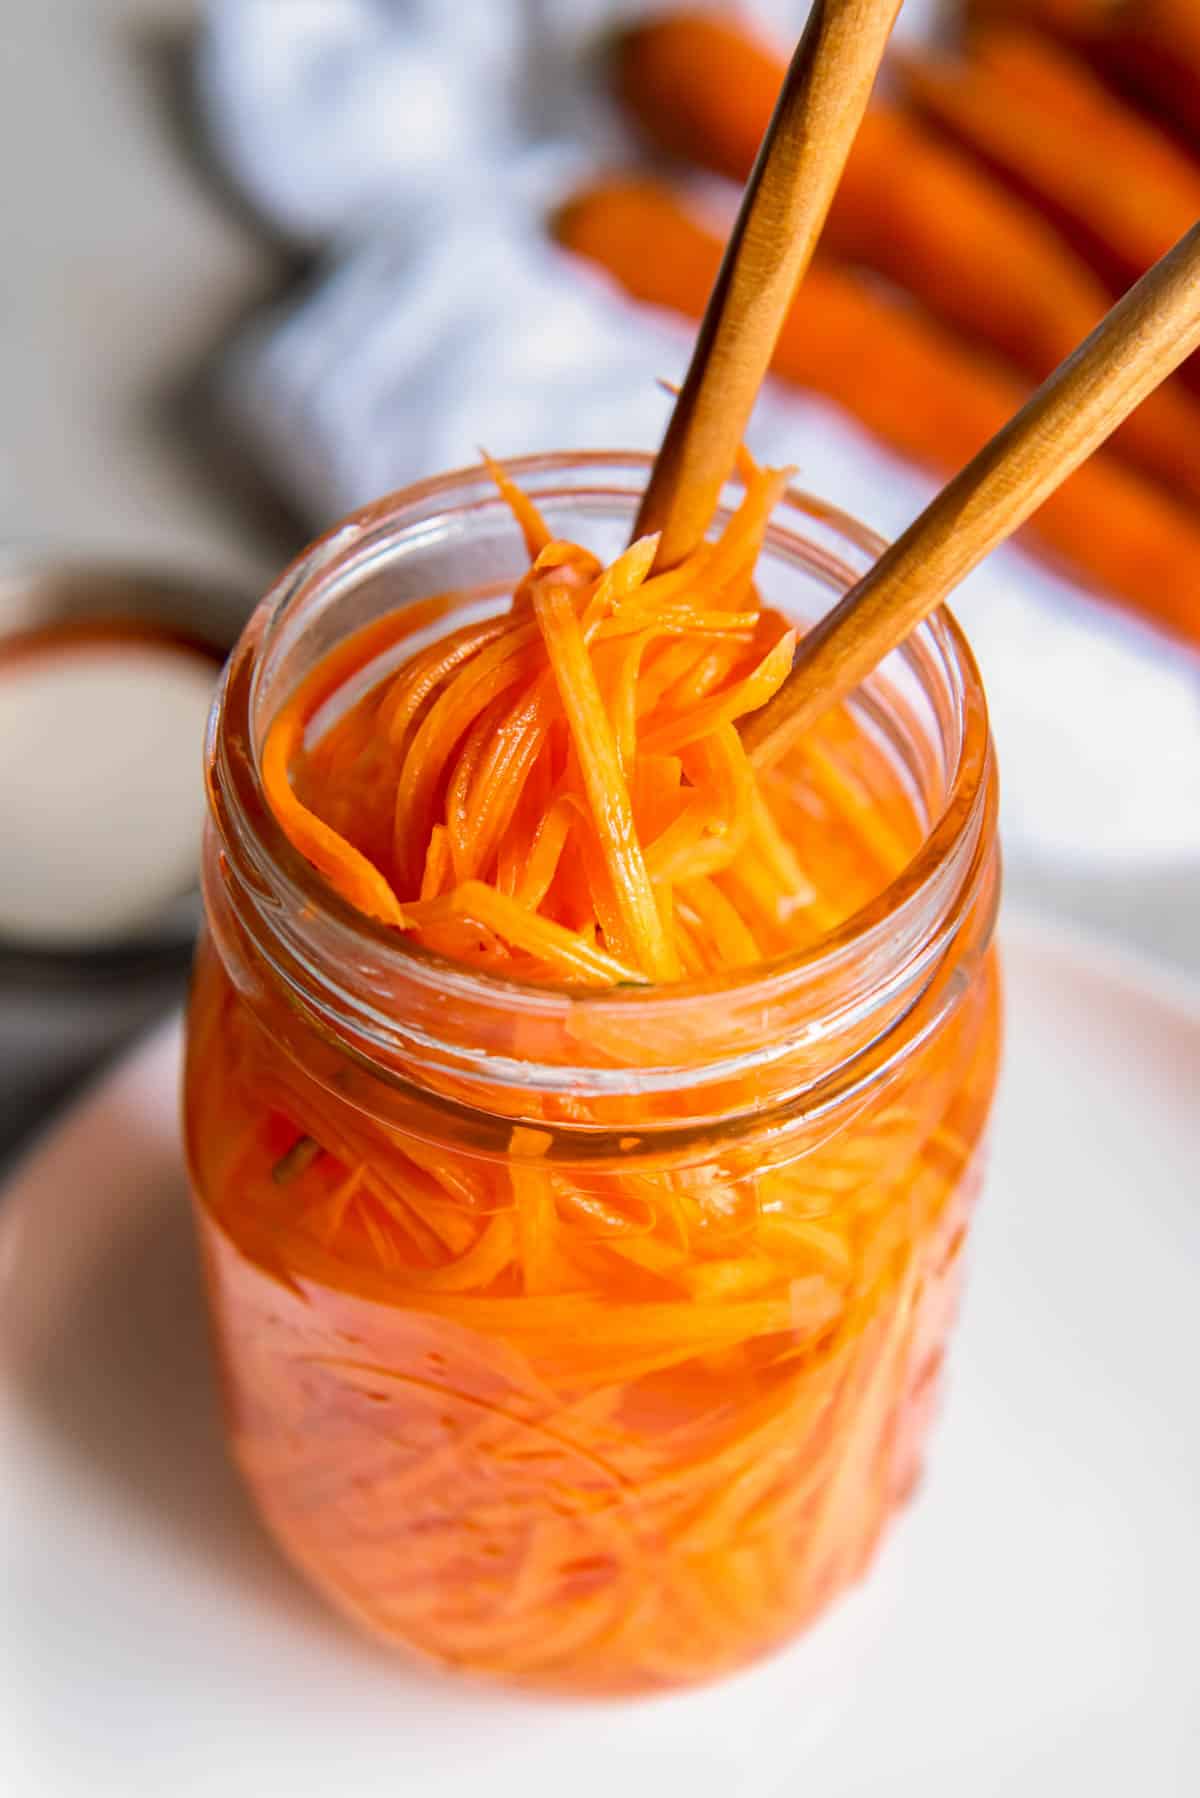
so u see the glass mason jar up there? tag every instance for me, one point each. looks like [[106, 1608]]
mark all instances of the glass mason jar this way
[[651, 1463]]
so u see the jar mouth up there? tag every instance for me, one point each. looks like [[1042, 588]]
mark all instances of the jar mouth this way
[[818, 539]]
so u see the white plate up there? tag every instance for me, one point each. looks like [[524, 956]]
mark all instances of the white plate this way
[[1032, 1626]]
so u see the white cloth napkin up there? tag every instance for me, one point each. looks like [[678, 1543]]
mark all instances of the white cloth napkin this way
[[418, 144]]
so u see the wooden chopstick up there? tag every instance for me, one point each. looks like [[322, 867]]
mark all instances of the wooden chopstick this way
[[818, 112], [1145, 336]]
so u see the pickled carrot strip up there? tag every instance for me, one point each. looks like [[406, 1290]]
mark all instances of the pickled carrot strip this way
[[671, 1330], [620, 581], [603, 782], [666, 661], [812, 1242], [511, 758], [777, 854], [738, 546], [708, 672], [444, 1225], [720, 921], [848, 798], [676, 676], [527, 814], [546, 849], [439, 864], [536, 1227], [689, 577], [492, 671], [623, 703], [723, 780], [419, 679], [672, 735], [349, 873], [533, 526], [747, 468], [463, 846], [541, 937], [482, 1264], [362, 648], [679, 621], [405, 1216], [656, 793], [720, 757], [671, 856]]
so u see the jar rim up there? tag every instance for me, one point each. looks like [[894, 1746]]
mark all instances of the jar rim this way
[[238, 799]]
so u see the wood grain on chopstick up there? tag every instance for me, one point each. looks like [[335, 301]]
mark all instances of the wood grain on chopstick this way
[[1146, 335], [787, 197]]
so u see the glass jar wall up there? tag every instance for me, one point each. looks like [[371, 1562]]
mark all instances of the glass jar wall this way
[[591, 1338]]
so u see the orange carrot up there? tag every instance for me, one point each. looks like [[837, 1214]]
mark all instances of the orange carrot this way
[[986, 263], [555, 789], [533, 526], [701, 85], [345, 868], [918, 212], [541, 937], [1152, 46], [1075, 20], [910, 206], [914, 387], [603, 781], [1117, 183]]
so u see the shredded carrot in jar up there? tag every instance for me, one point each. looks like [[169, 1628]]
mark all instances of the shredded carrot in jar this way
[[608, 1424]]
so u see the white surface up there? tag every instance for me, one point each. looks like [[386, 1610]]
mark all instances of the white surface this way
[[1031, 1628], [421, 146], [101, 807]]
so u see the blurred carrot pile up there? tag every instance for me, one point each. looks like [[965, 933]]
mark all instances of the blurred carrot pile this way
[[994, 204]]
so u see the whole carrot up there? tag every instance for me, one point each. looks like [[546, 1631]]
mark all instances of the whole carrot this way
[[1075, 21], [1152, 46], [1120, 186], [915, 209], [908, 382], [700, 84], [911, 207]]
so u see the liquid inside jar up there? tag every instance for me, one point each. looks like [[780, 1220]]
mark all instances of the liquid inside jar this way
[[614, 1393]]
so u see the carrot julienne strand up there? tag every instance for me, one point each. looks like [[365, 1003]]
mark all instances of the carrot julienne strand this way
[[595, 674]]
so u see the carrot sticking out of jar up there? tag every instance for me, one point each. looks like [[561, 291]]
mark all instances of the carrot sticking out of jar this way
[[562, 793]]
